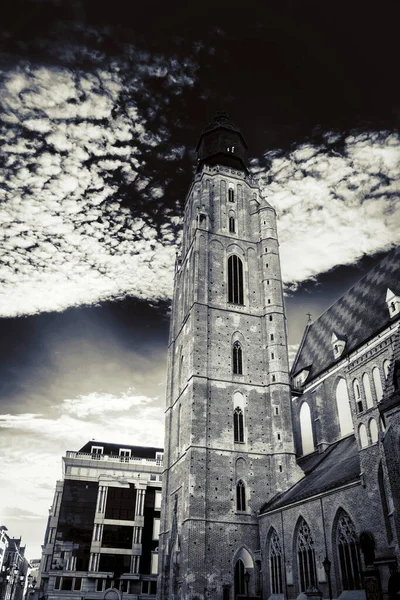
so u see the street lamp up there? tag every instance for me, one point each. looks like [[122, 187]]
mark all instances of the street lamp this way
[[326, 563]]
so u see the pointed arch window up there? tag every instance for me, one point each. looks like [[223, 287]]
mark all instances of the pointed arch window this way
[[349, 553], [376, 377], [306, 557], [240, 496], [306, 432], [238, 425], [240, 588], [275, 564], [343, 408], [367, 390], [237, 356], [235, 280]]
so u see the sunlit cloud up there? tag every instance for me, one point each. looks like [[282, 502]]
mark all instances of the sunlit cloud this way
[[334, 203]]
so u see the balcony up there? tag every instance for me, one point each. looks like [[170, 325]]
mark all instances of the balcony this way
[[114, 458]]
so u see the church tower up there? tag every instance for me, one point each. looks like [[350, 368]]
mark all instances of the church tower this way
[[228, 444]]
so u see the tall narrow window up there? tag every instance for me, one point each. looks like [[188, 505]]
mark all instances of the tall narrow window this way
[[349, 553], [178, 428], [367, 390], [237, 359], [238, 429], [343, 408], [306, 432], [240, 496], [231, 195], [376, 377], [275, 564], [235, 280], [232, 225], [362, 432], [240, 588], [306, 557]]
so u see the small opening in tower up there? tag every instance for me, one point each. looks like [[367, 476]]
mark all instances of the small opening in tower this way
[[231, 225], [280, 468], [276, 407], [272, 355], [279, 436], [273, 379], [231, 195], [270, 316], [272, 337]]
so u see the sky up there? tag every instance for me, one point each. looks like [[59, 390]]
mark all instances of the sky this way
[[101, 108]]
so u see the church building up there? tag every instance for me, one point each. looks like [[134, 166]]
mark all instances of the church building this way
[[276, 484]]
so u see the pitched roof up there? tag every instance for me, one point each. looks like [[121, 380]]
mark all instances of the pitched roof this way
[[359, 315], [338, 465]]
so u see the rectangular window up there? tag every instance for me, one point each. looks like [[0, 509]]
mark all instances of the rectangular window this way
[[153, 477], [57, 583], [153, 587], [97, 451], [66, 583], [99, 585], [124, 454], [154, 563], [145, 587], [77, 583], [157, 500], [121, 504], [156, 529], [277, 410], [272, 355], [117, 536]]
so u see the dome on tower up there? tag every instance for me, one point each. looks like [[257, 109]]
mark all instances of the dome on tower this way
[[221, 143]]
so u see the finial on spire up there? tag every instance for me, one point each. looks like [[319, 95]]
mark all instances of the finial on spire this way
[[309, 315]]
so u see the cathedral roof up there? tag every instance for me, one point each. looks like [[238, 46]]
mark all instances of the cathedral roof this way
[[359, 314], [337, 466]]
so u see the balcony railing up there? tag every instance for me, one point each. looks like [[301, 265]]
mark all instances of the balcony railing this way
[[115, 458]]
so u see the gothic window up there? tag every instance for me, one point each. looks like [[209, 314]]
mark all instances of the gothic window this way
[[235, 280], [306, 557], [231, 195], [343, 408], [367, 544], [376, 377], [367, 390], [386, 365], [240, 588], [306, 432], [238, 429], [362, 432], [240, 496], [373, 431], [349, 553], [237, 359], [275, 564], [357, 396], [231, 224]]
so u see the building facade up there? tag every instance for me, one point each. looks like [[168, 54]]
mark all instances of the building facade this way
[[276, 484], [14, 568], [102, 534]]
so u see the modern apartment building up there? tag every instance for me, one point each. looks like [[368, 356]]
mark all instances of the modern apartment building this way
[[103, 527]]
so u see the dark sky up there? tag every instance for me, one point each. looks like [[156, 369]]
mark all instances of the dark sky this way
[[101, 108]]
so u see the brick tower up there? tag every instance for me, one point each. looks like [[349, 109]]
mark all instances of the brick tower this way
[[228, 444]]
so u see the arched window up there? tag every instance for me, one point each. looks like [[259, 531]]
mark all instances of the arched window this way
[[357, 396], [240, 496], [306, 557], [373, 431], [376, 377], [232, 225], [343, 407], [349, 553], [231, 195], [275, 564], [240, 587], [367, 390], [306, 432], [237, 367], [362, 432], [386, 366], [367, 544], [235, 280], [238, 428]]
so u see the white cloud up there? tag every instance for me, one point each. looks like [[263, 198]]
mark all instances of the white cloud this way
[[334, 207]]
